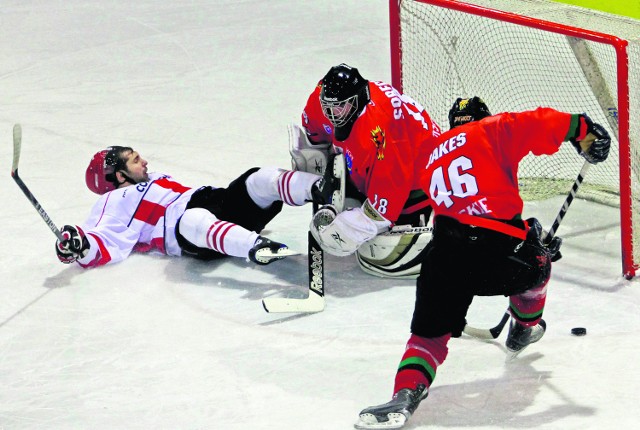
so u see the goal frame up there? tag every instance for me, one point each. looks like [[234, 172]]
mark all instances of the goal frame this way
[[629, 266]]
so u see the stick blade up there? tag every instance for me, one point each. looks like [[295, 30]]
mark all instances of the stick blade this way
[[313, 303], [17, 144]]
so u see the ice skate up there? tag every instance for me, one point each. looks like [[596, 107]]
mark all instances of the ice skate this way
[[393, 415], [266, 251], [520, 336]]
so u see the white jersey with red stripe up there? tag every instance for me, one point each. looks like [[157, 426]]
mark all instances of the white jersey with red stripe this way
[[140, 217]]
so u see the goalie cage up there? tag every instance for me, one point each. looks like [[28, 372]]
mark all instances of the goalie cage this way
[[518, 55]]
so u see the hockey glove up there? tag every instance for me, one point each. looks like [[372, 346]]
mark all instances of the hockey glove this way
[[591, 140], [74, 246], [554, 248]]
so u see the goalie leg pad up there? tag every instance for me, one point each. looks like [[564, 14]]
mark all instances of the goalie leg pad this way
[[305, 156], [396, 254]]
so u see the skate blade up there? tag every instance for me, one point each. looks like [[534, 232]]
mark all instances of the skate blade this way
[[369, 422], [512, 355]]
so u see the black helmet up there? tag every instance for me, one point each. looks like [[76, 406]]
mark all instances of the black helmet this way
[[467, 110], [344, 95]]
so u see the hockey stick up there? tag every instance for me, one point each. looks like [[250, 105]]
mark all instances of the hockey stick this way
[[567, 202], [315, 301], [17, 145], [493, 333]]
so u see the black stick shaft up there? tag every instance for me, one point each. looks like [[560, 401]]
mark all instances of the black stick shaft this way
[[37, 205], [567, 202], [17, 146]]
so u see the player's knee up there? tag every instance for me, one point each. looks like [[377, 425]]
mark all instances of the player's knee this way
[[194, 224], [262, 186]]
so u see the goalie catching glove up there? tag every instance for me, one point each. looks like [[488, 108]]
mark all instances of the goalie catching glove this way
[[74, 246], [591, 140]]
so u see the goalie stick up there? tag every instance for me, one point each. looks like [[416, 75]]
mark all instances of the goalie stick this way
[[315, 301], [17, 146], [493, 333]]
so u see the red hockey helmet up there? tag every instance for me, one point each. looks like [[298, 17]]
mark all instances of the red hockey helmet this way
[[101, 172]]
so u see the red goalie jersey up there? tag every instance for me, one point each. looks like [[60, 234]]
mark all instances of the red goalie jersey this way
[[381, 148]]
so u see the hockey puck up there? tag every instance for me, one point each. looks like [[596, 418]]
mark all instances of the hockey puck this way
[[578, 331]]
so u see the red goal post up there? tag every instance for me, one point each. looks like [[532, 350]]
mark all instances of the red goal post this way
[[519, 55]]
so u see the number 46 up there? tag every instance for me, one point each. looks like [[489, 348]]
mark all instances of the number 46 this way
[[462, 184]]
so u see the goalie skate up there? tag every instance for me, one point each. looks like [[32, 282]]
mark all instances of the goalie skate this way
[[394, 414]]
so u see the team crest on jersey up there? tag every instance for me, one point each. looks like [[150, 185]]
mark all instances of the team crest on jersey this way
[[348, 160], [378, 139], [327, 129]]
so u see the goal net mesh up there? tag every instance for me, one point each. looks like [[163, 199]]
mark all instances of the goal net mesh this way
[[447, 53]]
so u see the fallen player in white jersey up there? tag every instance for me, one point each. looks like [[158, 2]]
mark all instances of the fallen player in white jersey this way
[[151, 212]]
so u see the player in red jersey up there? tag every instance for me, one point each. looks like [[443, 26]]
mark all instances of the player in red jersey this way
[[378, 148], [481, 246], [142, 211]]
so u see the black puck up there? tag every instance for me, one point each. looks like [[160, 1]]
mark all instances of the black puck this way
[[578, 331]]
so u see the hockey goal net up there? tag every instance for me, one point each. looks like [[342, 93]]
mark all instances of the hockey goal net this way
[[518, 55]]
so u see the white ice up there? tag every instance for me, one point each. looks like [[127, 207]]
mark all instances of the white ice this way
[[204, 89]]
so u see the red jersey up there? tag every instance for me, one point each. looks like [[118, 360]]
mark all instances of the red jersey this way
[[382, 146], [473, 169]]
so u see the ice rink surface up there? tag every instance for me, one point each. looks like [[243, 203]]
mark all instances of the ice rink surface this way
[[205, 90]]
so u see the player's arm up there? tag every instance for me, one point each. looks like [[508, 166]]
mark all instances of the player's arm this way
[[104, 238], [109, 242], [542, 131]]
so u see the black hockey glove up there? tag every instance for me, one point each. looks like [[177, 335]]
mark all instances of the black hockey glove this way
[[591, 140], [75, 244], [554, 248]]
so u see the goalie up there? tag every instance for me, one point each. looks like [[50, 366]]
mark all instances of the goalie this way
[[395, 253]]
